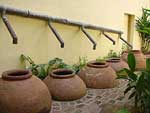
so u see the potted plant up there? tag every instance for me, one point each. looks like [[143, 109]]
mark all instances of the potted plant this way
[[60, 77], [143, 27], [138, 84], [80, 64], [42, 70], [39, 70]]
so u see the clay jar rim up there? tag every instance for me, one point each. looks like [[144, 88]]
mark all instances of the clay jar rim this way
[[62, 73], [148, 53], [97, 64], [114, 60], [134, 51], [16, 74]]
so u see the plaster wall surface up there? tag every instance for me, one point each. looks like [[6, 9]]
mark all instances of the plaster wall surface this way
[[37, 41]]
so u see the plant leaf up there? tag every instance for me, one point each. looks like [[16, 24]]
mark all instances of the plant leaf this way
[[132, 95], [42, 72], [128, 89], [131, 61], [123, 110], [148, 64], [132, 76]]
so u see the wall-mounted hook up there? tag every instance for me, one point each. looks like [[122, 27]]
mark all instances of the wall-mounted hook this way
[[56, 34], [126, 42], [108, 37], [9, 27], [89, 37]]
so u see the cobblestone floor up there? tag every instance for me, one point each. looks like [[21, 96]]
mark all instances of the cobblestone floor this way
[[93, 101]]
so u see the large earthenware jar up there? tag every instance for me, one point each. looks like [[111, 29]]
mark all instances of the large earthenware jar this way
[[139, 56], [117, 64], [65, 85], [147, 55], [98, 75], [21, 92]]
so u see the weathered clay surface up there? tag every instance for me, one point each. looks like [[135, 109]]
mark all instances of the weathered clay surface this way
[[21, 92], [66, 86], [147, 55], [139, 56], [117, 64], [98, 75]]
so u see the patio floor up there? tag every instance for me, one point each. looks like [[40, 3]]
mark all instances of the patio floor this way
[[94, 101]]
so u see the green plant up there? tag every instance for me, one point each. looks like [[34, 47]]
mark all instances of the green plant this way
[[80, 64], [143, 27], [99, 59], [138, 84], [40, 70], [111, 54], [57, 63], [125, 48], [123, 110]]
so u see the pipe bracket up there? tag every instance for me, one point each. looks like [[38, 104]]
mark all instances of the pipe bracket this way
[[89, 37], [108, 37], [57, 35], [9, 27], [126, 42]]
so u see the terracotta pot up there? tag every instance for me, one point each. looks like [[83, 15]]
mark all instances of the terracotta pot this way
[[117, 64], [98, 75], [147, 55], [140, 60], [65, 85], [124, 56], [20, 92]]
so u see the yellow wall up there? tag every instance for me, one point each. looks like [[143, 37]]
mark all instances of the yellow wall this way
[[37, 41]]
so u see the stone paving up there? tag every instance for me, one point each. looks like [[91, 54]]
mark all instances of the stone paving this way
[[93, 101]]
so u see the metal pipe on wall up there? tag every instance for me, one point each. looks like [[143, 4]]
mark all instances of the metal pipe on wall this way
[[89, 37], [57, 35], [108, 37], [126, 42], [30, 14], [9, 27]]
